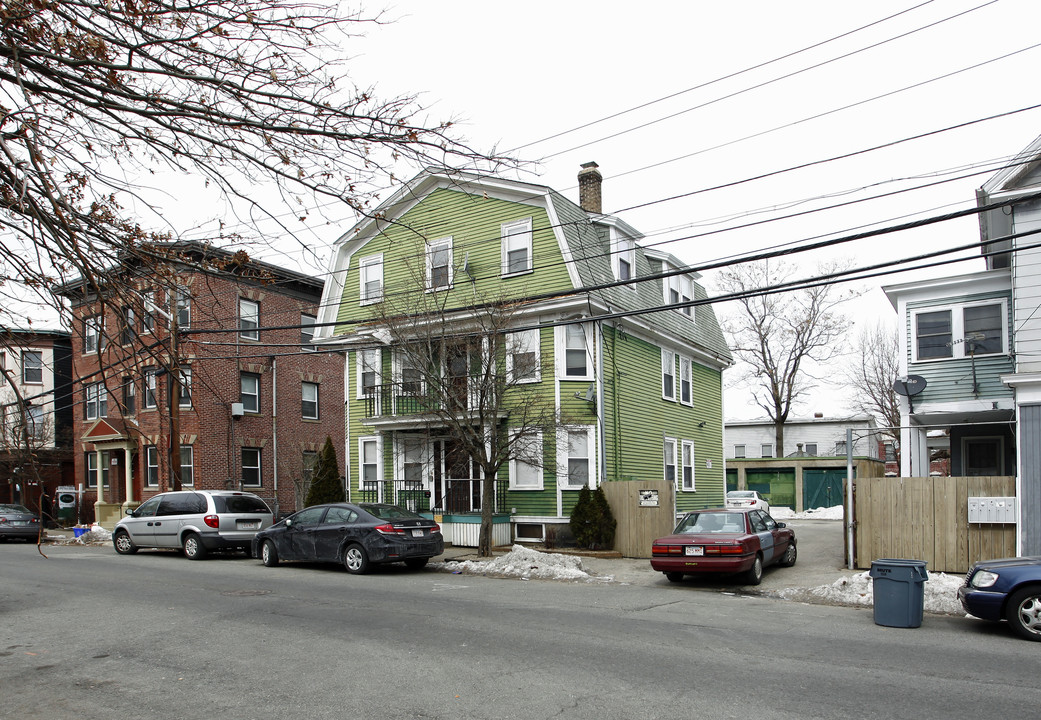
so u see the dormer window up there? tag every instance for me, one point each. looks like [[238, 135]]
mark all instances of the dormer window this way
[[959, 331], [516, 247]]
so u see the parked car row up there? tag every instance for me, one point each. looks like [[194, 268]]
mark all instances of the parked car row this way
[[357, 535], [18, 521]]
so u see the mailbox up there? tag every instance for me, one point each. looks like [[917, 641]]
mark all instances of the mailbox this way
[[992, 510]]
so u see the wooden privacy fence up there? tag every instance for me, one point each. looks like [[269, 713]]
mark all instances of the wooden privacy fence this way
[[928, 519], [644, 509]]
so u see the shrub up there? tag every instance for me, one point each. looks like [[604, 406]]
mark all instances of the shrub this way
[[592, 522], [325, 482]]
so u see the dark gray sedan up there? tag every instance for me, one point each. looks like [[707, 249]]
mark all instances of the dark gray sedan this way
[[357, 535], [18, 521]]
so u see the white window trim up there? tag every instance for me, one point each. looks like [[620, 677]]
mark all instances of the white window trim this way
[[505, 233], [561, 352], [432, 248], [303, 399], [93, 326], [314, 321], [693, 467], [249, 315], [149, 398], [525, 341], [259, 467], [563, 455], [39, 367], [378, 440], [958, 348], [366, 265], [190, 465], [516, 463], [766, 445], [151, 453], [184, 385], [359, 366], [623, 248], [684, 287], [669, 358], [96, 395], [400, 444], [689, 402], [242, 395], [739, 454], [670, 442]]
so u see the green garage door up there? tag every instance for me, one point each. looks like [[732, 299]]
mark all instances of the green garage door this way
[[777, 486], [823, 487], [731, 479]]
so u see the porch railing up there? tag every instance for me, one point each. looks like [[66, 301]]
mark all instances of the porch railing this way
[[447, 496], [414, 398]]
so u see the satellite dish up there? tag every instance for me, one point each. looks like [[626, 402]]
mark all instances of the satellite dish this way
[[909, 386]]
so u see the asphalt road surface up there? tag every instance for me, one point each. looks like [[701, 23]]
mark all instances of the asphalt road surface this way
[[90, 634]]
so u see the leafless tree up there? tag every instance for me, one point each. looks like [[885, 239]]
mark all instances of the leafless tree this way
[[781, 339], [98, 97], [464, 375], [870, 373]]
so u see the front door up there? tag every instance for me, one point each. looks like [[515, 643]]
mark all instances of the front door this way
[[298, 539]]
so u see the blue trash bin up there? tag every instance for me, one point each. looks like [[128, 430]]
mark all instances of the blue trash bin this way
[[898, 588]]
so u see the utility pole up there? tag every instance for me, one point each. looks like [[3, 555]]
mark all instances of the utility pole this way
[[175, 395]]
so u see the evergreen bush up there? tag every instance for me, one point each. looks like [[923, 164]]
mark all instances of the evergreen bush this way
[[325, 480], [592, 522]]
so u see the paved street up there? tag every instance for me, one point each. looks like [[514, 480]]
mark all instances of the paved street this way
[[88, 633]]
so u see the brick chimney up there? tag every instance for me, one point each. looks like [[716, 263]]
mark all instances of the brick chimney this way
[[589, 179]]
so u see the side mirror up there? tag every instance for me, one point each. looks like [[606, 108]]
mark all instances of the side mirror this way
[[128, 511], [289, 522], [781, 525]]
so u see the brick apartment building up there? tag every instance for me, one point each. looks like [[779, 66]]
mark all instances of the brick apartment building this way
[[35, 416], [206, 360]]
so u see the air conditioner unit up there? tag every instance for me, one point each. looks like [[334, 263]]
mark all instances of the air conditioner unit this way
[[237, 410]]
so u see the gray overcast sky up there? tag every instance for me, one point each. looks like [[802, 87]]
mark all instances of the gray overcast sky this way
[[516, 74]]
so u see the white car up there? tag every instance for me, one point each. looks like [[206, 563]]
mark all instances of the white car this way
[[747, 499]]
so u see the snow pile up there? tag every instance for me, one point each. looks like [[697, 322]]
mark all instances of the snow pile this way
[[940, 592], [524, 563], [96, 535], [829, 513]]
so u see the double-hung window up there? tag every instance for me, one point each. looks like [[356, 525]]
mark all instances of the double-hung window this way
[[249, 319], [439, 264], [766, 451], [687, 465], [187, 465], [624, 252], [147, 317], [575, 458], [368, 366], [573, 349], [96, 404], [93, 469], [516, 247], [412, 455], [686, 381], [522, 356], [369, 462], [960, 331], [183, 307], [307, 331], [129, 396], [35, 427], [670, 461], [739, 451], [129, 330], [249, 392], [92, 334], [309, 400], [251, 467], [148, 402], [668, 374], [152, 466], [680, 289], [370, 271], [184, 387], [32, 367], [526, 462]]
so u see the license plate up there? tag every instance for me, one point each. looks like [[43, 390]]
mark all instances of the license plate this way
[[694, 550], [417, 533], [20, 522], [254, 525]]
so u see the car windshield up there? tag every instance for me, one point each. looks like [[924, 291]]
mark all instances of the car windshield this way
[[389, 512], [711, 523], [15, 509]]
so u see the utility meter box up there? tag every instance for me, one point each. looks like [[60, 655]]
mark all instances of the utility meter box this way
[[992, 510]]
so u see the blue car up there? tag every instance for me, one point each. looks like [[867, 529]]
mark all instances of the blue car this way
[[1008, 589]]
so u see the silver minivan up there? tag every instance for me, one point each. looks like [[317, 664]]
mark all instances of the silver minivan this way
[[195, 521]]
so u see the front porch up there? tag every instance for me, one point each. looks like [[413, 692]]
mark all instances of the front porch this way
[[454, 504]]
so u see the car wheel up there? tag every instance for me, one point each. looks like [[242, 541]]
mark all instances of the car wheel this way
[[356, 560], [674, 576], [268, 554], [1023, 612], [124, 545], [790, 556], [193, 547], [755, 573]]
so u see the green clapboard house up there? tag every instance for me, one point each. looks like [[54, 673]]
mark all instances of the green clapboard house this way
[[551, 301]]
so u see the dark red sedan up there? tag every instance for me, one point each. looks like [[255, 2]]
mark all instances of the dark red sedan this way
[[724, 540]]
